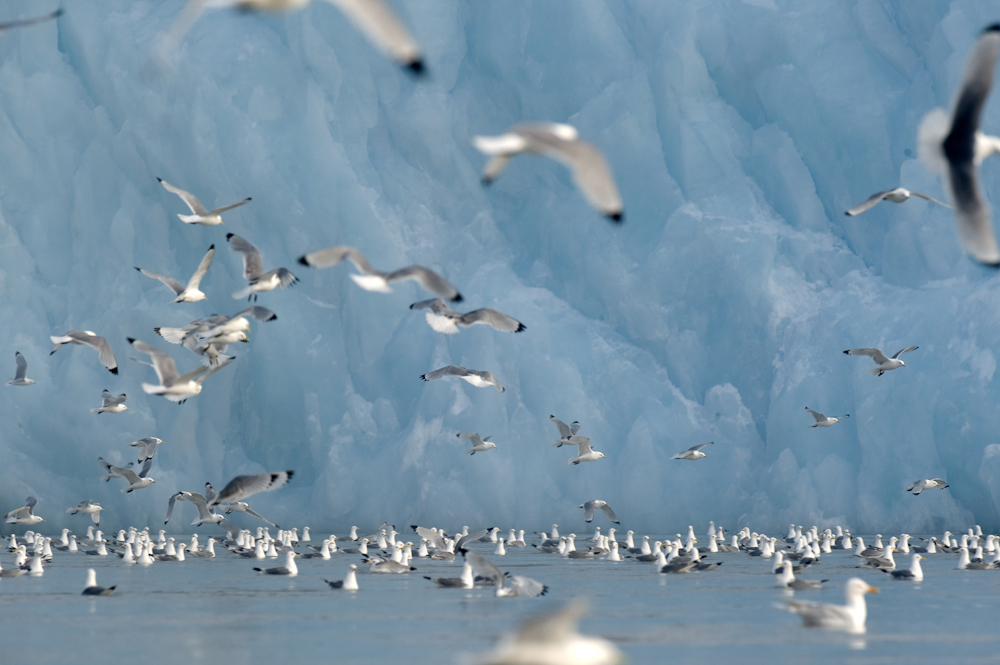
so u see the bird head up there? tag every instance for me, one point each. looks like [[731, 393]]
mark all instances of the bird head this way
[[602, 455], [901, 364]]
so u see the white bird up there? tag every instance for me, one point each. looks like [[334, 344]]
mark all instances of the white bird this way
[[244, 507], [693, 453], [377, 280], [786, 578], [446, 320], [20, 372], [94, 341], [109, 469], [135, 481], [189, 293], [350, 581], [253, 270], [953, 147], [515, 585], [88, 508], [823, 421], [200, 215], [147, 447], [850, 617], [565, 431], [210, 337], [478, 444], [24, 515], [913, 574], [591, 507], [884, 364], [479, 379], [897, 195], [205, 514], [560, 142], [242, 487], [111, 404], [92, 589], [373, 18], [919, 486], [584, 453], [175, 387], [552, 639]]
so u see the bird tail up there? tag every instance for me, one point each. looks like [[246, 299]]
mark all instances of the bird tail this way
[[151, 389], [504, 144], [191, 219], [559, 443], [441, 324], [930, 141], [243, 293], [371, 283], [876, 371], [172, 335]]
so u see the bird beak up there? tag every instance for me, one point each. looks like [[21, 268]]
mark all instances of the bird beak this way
[[872, 589]]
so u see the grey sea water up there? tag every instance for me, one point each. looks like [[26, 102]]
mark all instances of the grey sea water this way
[[219, 610]]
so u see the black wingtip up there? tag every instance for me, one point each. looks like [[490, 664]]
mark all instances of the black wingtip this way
[[139, 269], [617, 217], [424, 377], [521, 328], [458, 298], [159, 180], [114, 370], [992, 28], [486, 181], [290, 474], [303, 261], [847, 352], [130, 339], [56, 14], [417, 68], [229, 235], [212, 246]]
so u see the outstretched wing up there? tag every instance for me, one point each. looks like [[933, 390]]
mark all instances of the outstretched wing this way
[[170, 505], [906, 350], [172, 283], [610, 513], [874, 354], [929, 198], [589, 509], [331, 256], [99, 344], [30, 21], [491, 317], [206, 261], [146, 466], [564, 431], [695, 449], [253, 263], [480, 566], [868, 204], [190, 199], [582, 445], [527, 587], [472, 436], [428, 279], [817, 415], [242, 487], [21, 370], [450, 370]]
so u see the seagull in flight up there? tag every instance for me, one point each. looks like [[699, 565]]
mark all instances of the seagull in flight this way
[[88, 508], [253, 270], [584, 453], [823, 421], [377, 280], [147, 447], [199, 214], [561, 143], [20, 372], [693, 453], [565, 431], [111, 404], [135, 481], [24, 515], [172, 385], [87, 338], [242, 487], [478, 444], [591, 507], [205, 514], [445, 320], [189, 293], [244, 507], [897, 195], [953, 147], [919, 486], [479, 379], [884, 364]]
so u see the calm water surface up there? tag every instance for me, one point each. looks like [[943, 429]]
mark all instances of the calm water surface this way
[[220, 610]]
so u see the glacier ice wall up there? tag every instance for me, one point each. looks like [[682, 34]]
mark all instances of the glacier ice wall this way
[[739, 132]]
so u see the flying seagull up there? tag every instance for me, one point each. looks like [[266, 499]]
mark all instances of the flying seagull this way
[[20, 372], [242, 487], [953, 147], [4, 27], [210, 337], [561, 143], [109, 470], [693, 453], [253, 270], [565, 431], [584, 453], [200, 215], [376, 280], [147, 447], [189, 293], [446, 320], [135, 481], [172, 384], [591, 507], [24, 515], [244, 507], [87, 338], [88, 508], [897, 195], [823, 421], [373, 18], [884, 364], [476, 377], [205, 514], [919, 486], [478, 444], [111, 404]]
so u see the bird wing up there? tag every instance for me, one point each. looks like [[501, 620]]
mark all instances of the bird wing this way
[[107, 399], [817, 415], [166, 369], [21, 364], [206, 261], [874, 354], [219, 211], [491, 317], [209, 492], [582, 445], [472, 537], [170, 505], [868, 204], [472, 436], [574, 427], [285, 277], [242, 487], [30, 21], [100, 345], [253, 263], [436, 305], [486, 377], [694, 449], [972, 213], [174, 285], [481, 566], [201, 504], [258, 314], [248, 510], [190, 199], [593, 177], [450, 370], [564, 430], [527, 587], [906, 350], [331, 256], [428, 279], [383, 28], [127, 474], [432, 537], [589, 509], [929, 198], [610, 513], [146, 466]]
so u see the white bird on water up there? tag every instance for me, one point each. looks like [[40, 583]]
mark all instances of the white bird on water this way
[[111, 404], [253, 270], [584, 453], [91, 589], [884, 364], [199, 214], [478, 378], [189, 293], [24, 515], [377, 280], [478, 444], [693, 453], [445, 320], [919, 486], [953, 147], [823, 421], [562, 143], [20, 372], [897, 195], [350, 581], [94, 341], [850, 617]]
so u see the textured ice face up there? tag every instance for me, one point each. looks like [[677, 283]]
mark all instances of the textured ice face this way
[[738, 132]]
